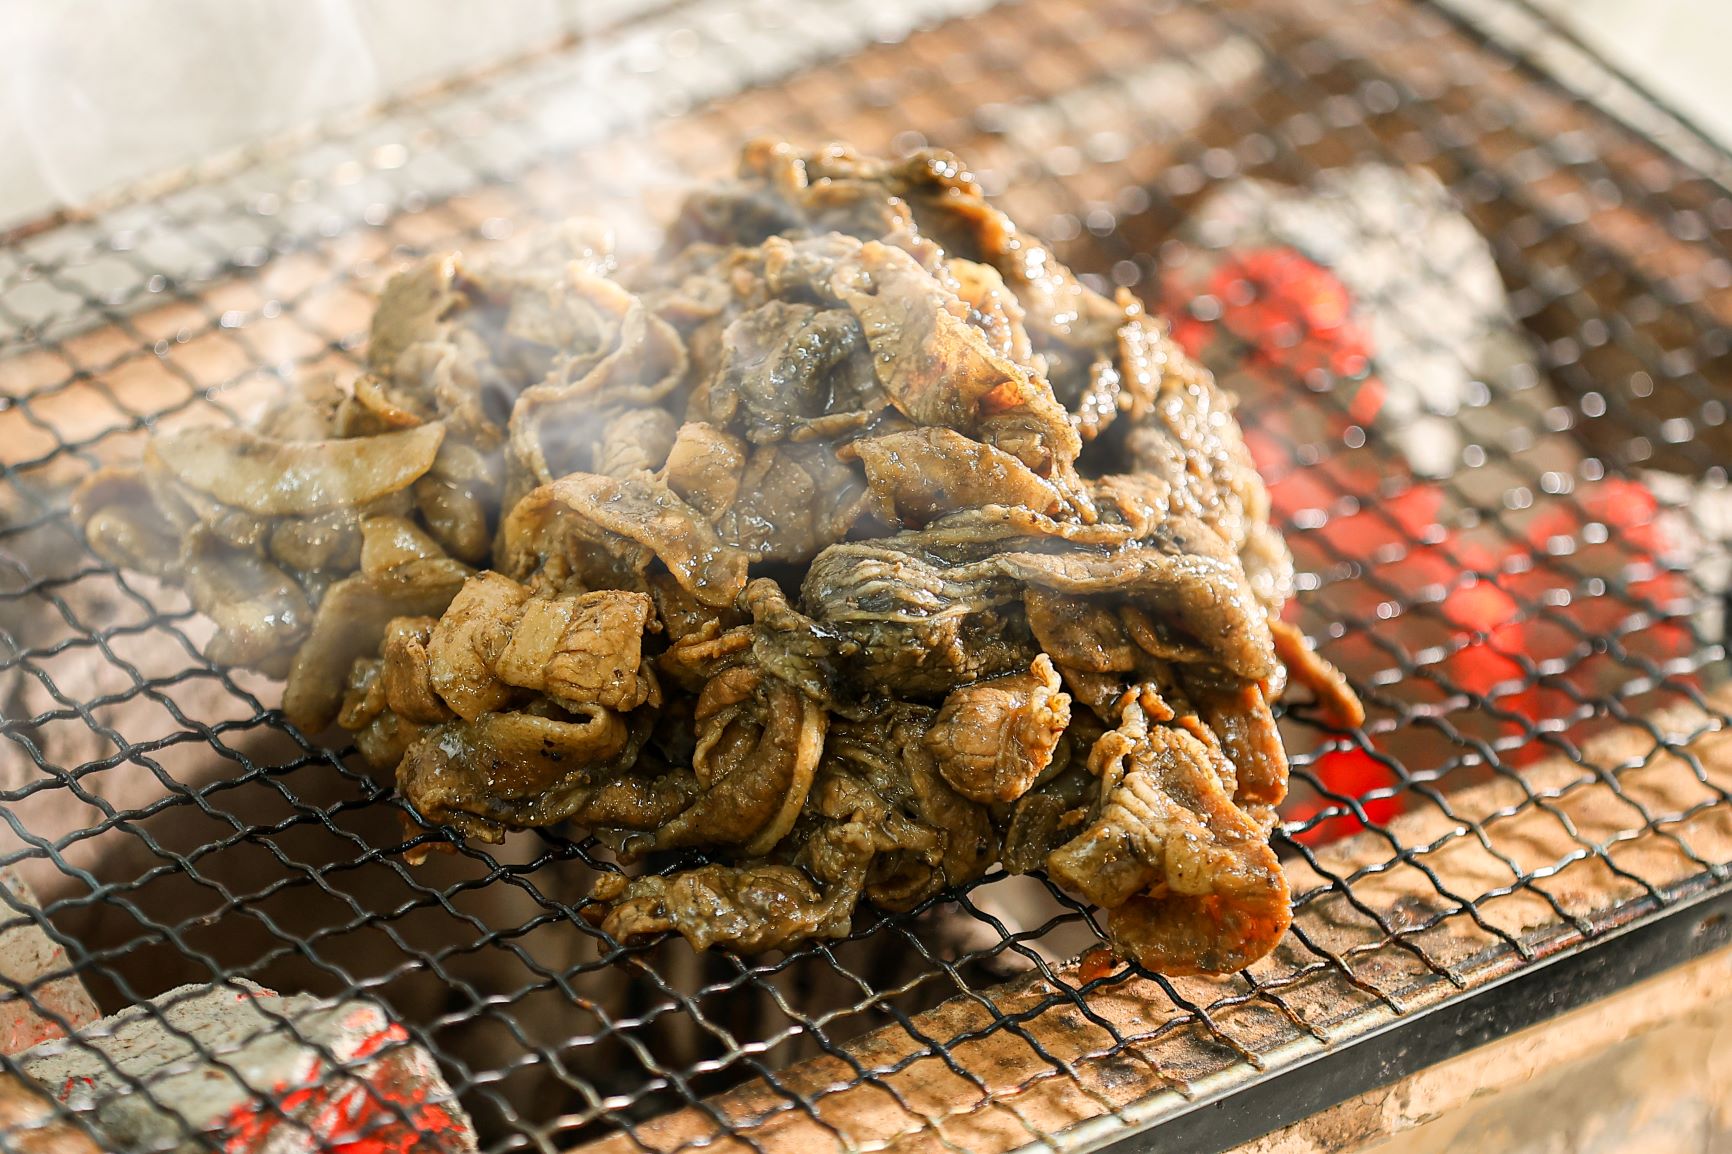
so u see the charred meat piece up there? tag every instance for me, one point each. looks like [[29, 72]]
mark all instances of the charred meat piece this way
[[939, 370], [1046, 817], [1334, 695], [992, 739], [1189, 879], [405, 673], [1236, 714], [879, 772], [600, 531], [516, 707], [789, 369], [918, 475], [849, 541], [403, 573], [792, 500], [524, 768], [467, 640], [499, 641], [636, 359], [704, 466], [261, 614], [758, 745], [930, 611], [270, 478], [1080, 633], [915, 624], [751, 908]]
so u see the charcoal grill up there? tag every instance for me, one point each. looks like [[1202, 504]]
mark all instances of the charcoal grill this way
[[1534, 814]]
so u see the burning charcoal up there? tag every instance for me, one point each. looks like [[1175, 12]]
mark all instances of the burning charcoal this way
[[1370, 261], [36, 985], [246, 1068]]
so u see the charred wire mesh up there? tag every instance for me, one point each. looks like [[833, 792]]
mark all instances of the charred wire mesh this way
[[1507, 503]]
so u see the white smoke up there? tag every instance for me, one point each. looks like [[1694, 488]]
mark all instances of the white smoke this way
[[108, 91]]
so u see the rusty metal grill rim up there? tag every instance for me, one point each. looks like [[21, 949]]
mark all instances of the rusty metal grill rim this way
[[1313, 1079]]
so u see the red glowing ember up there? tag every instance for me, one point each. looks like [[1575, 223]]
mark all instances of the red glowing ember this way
[[1284, 312], [1513, 621]]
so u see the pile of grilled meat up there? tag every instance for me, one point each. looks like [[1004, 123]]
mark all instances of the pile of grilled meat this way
[[850, 541]]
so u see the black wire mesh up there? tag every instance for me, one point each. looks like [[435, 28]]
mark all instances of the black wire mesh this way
[[1539, 591]]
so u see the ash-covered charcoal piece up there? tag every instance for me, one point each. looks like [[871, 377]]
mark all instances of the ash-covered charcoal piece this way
[[239, 1067], [32, 1123], [41, 997], [1371, 274], [849, 541]]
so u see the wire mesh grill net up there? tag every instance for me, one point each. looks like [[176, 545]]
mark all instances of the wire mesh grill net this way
[[1539, 587]]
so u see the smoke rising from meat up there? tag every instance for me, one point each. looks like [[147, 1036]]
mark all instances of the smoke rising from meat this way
[[849, 540]]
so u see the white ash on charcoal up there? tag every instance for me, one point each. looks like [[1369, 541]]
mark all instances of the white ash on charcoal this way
[[31, 1122], [248, 1069], [1424, 288], [1695, 519], [40, 994]]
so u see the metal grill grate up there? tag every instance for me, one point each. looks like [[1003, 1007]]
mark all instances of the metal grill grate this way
[[1535, 629]]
